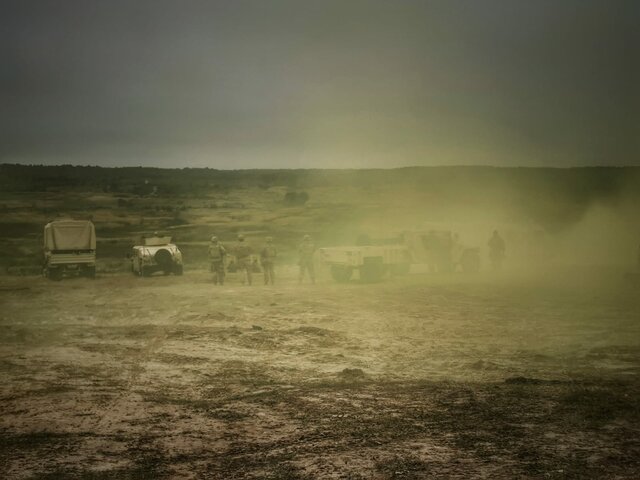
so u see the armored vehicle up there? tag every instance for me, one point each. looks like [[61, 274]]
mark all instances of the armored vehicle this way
[[373, 258], [371, 261], [156, 254], [69, 248]]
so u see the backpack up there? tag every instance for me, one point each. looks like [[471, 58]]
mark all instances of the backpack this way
[[216, 253]]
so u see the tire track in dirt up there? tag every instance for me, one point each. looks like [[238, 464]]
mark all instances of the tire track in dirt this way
[[134, 364]]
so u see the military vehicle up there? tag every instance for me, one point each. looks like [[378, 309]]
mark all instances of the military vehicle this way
[[371, 261], [156, 254], [69, 248], [441, 251], [373, 258]]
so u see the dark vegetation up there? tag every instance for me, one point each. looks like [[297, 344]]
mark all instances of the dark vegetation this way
[[194, 203], [296, 198], [577, 185]]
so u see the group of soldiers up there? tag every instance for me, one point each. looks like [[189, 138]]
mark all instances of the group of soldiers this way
[[444, 251], [244, 262]]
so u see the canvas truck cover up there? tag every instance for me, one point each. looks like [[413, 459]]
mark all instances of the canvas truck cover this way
[[69, 235]]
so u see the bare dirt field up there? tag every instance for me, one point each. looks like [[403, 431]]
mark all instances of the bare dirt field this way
[[446, 376]]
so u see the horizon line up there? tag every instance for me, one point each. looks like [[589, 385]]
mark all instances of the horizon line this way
[[343, 169]]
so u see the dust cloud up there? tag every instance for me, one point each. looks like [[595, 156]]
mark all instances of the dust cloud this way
[[452, 368]]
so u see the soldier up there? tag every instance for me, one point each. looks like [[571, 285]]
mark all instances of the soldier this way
[[217, 253], [243, 259], [306, 251], [267, 259], [497, 249]]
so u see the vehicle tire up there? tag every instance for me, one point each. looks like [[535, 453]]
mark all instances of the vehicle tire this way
[[177, 270], [90, 272], [54, 274], [164, 259], [341, 273], [372, 272]]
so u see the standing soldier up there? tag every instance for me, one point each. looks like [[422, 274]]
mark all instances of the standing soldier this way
[[216, 256], [497, 249], [267, 259], [243, 259], [306, 251]]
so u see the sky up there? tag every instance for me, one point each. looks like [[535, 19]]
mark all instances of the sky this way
[[320, 83]]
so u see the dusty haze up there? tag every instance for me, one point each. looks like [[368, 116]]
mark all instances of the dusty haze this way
[[526, 372]]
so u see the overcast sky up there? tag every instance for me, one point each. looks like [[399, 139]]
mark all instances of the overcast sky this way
[[318, 83]]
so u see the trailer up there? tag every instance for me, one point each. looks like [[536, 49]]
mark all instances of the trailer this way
[[69, 248]]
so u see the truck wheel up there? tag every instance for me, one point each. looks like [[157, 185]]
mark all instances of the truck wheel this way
[[54, 274], [164, 259], [341, 273], [371, 272]]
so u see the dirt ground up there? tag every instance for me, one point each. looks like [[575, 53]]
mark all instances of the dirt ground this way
[[415, 377]]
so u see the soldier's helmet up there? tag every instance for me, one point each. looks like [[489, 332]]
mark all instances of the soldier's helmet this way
[[240, 237], [214, 239], [269, 239]]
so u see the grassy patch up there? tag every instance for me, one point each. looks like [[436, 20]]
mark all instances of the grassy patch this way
[[596, 405]]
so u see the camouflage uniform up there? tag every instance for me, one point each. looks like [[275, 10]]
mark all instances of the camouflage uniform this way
[[216, 256], [243, 259], [267, 259], [306, 251]]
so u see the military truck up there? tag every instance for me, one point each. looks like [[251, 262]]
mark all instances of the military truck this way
[[69, 248], [371, 261], [156, 254], [440, 250]]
